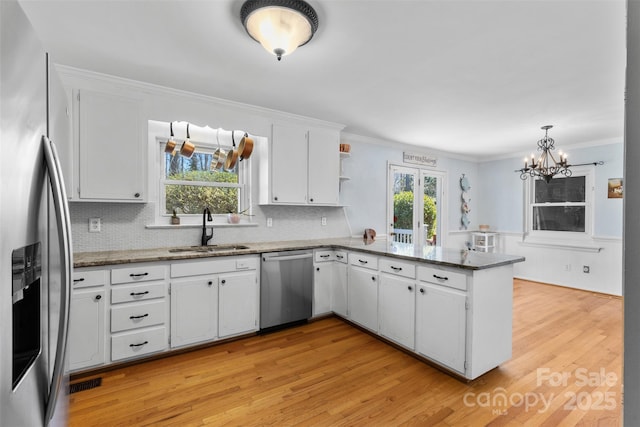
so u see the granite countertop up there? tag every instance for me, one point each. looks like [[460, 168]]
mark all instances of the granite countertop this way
[[469, 260]]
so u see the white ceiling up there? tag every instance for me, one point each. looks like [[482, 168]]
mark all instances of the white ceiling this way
[[474, 77]]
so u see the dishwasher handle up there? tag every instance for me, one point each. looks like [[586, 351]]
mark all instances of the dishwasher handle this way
[[286, 257]]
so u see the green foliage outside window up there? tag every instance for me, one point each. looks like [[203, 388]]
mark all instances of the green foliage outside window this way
[[193, 199], [403, 212]]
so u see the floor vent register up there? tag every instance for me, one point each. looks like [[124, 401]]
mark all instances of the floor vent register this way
[[85, 385]]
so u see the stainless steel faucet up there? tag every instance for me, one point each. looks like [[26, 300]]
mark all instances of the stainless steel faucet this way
[[206, 216]]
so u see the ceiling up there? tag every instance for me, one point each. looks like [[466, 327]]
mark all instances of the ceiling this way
[[476, 78]]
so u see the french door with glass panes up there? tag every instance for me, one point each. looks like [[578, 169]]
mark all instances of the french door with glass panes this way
[[415, 200]]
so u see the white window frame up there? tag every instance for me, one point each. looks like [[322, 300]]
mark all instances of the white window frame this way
[[562, 238]]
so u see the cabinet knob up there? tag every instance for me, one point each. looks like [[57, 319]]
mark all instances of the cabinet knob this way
[[275, 198], [223, 281], [137, 195], [410, 288], [210, 283], [373, 278], [311, 200], [422, 291], [98, 297], [317, 268]]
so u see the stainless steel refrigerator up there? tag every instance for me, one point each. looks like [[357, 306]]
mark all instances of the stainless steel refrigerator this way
[[35, 242]]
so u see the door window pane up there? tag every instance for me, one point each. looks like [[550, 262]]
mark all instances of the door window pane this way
[[430, 190], [403, 185]]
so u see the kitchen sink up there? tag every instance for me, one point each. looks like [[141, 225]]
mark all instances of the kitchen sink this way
[[209, 248]]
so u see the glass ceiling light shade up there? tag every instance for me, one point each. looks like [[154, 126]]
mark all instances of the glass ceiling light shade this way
[[280, 26]]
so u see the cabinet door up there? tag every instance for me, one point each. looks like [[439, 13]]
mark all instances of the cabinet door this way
[[238, 305], [112, 161], [194, 310], [397, 309], [363, 297], [339, 294], [441, 325], [288, 165], [322, 283], [324, 167], [86, 328]]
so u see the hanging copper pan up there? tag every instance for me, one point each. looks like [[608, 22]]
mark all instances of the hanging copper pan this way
[[232, 155], [245, 147]]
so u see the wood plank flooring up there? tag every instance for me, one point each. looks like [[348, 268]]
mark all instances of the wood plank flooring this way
[[565, 371]]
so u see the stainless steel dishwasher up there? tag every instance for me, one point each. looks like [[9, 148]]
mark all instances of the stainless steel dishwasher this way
[[286, 287]]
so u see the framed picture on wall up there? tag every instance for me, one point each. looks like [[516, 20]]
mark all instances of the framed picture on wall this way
[[615, 189]]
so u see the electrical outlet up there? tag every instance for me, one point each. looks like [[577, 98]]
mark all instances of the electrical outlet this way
[[94, 225], [567, 267], [269, 222], [323, 220], [585, 269]]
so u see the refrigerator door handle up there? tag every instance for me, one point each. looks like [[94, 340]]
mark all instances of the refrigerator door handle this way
[[64, 229]]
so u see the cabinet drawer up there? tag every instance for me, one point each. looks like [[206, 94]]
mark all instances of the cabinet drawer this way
[[341, 256], [363, 260], [131, 293], [398, 268], [86, 279], [138, 343], [140, 273], [443, 277], [132, 316], [324, 255]]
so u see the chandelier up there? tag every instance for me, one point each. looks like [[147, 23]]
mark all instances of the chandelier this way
[[280, 26], [545, 166]]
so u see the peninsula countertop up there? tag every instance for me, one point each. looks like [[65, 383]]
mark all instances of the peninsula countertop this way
[[470, 260]]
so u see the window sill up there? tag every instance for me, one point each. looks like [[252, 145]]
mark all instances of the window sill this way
[[576, 245], [209, 225]]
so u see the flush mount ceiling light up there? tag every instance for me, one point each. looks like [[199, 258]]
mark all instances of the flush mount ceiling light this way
[[546, 166], [280, 26]]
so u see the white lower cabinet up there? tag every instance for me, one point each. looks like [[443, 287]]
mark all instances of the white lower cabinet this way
[[87, 328], [396, 309], [363, 297], [339, 290], [214, 298], [441, 325], [329, 282], [239, 296], [194, 310]]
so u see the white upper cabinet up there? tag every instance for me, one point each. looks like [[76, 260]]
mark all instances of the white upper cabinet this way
[[111, 148], [324, 167], [300, 166]]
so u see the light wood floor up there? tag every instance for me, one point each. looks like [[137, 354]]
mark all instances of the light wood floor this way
[[330, 373]]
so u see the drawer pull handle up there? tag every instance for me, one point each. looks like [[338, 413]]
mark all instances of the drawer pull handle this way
[[395, 268], [440, 277], [137, 294], [138, 274], [78, 280], [363, 261], [139, 345], [139, 317], [325, 256], [98, 297], [339, 256]]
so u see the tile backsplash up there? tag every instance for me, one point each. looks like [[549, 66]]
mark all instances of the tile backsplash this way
[[124, 226]]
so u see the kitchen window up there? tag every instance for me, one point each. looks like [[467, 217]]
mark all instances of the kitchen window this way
[[562, 208], [188, 186]]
